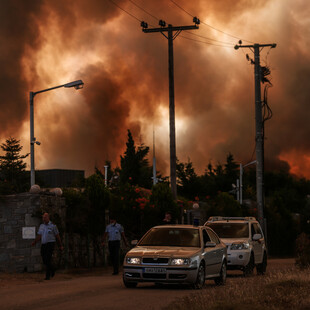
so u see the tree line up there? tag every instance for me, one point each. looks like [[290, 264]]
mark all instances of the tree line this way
[[139, 205]]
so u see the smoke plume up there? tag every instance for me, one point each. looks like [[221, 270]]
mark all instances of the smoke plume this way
[[125, 71]]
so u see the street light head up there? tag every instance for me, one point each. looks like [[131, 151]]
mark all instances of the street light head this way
[[76, 84]]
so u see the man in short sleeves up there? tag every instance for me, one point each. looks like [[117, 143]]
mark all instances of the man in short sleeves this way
[[114, 232], [48, 234]]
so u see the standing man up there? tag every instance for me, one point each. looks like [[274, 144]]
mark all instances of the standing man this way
[[114, 232], [47, 234]]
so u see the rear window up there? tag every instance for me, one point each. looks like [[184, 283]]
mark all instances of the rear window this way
[[231, 230], [171, 237]]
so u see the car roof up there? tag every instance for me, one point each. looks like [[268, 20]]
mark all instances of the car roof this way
[[179, 226], [223, 219]]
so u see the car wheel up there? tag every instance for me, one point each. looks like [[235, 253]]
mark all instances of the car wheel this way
[[248, 269], [222, 278], [200, 280], [261, 268], [129, 284]]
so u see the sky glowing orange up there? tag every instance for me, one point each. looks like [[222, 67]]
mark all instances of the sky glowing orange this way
[[125, 71]]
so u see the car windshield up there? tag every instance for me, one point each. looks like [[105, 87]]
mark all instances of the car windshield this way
[[183, 237], [231, 230]]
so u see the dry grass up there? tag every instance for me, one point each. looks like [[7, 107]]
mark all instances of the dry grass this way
[[288, 289]]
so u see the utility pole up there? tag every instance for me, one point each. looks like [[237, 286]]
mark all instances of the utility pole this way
[[155, 181], [172, 33], [259, 137]]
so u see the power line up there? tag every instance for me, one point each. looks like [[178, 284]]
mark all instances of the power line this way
[[215, 40], [197, 35], [184, 37], [228, 34], [141, 8], [133, 16], [208, 43]]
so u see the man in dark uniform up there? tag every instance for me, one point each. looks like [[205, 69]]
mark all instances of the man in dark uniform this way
[[114, 232], [48, 233]]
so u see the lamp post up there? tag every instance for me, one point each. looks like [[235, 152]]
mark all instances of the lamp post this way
[[77, 85]]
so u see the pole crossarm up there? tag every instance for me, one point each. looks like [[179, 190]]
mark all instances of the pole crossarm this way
[[170, 28], [273, 45]]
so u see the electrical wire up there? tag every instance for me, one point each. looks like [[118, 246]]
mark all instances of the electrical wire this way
[[208, 43], [253, 152], [145, 11], [208, 25], [136, 18], [133, 16], [193, 34], [215, 40], [267, 112]]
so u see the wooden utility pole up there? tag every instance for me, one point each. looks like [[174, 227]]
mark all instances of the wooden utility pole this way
[[259, 137], [172, 33]]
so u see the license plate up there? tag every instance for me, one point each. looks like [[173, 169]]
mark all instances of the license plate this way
[[154, 270]]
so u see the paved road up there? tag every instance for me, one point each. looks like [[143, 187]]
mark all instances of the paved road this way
[[98, 292]]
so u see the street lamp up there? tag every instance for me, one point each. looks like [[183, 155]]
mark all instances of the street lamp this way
[[77, 85]]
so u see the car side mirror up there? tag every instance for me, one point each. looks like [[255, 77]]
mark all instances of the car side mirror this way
[[257, 237], [134, 242], [210, 244]]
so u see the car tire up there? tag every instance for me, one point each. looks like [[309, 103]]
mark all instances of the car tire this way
[[249, 268], [261, 268], [200, 280], [221, 280]]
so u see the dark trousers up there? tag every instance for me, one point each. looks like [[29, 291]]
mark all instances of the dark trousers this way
[[47, 253], [114, 247]]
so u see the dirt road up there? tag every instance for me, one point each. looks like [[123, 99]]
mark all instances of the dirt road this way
[[95, 292]]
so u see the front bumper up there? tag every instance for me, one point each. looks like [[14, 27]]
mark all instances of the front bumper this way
[[167, 274], [237, 259]]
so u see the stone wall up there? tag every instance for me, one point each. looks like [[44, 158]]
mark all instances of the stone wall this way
[[16, 212]]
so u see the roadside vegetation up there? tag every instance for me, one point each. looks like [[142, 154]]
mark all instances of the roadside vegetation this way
[[282, 289], [139, 205]]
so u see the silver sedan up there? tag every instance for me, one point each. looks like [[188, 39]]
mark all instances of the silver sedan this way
[[176, 254]]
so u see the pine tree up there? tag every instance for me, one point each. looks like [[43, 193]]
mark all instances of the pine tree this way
[[12, 167], [135, 167]]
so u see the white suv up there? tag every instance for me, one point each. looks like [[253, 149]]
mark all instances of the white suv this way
[[246, 247]]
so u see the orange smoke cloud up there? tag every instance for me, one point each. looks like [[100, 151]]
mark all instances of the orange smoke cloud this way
[[299, 163], [125, 72]]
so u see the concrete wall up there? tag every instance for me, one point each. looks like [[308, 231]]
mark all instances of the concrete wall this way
[[16, 212]]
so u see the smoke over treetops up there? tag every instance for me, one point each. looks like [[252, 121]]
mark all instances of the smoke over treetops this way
[[125, 71]]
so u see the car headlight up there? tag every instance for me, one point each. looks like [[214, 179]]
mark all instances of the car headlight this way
[[240, 246], [180, 261], [133, 260]]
